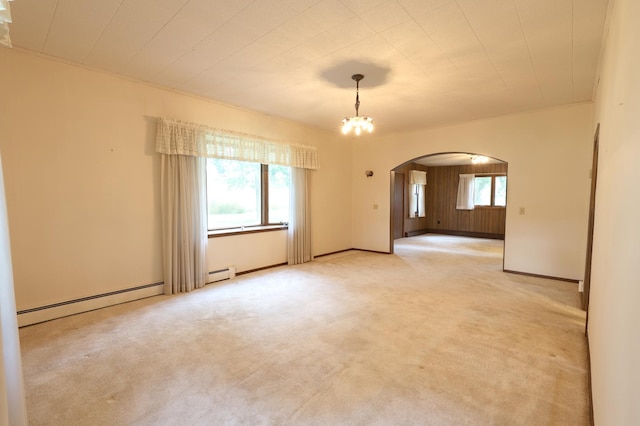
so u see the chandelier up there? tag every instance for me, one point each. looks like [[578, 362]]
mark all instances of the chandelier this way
[[357, 123], [479, 159]]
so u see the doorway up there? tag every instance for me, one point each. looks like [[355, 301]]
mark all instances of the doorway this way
[[486, 218]]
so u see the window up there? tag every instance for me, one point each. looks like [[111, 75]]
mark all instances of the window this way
[[490, 191], [279, 177], [244, 194], [500, 191], [417, 183], [416, 201], [482, 193]]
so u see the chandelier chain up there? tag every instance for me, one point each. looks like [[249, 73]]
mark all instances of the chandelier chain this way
[[357, 96]]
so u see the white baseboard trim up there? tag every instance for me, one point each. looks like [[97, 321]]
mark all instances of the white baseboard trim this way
[[72, 307]]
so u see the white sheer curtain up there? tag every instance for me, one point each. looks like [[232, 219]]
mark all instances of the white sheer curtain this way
[[417, 184], [13, 409], [184, 222], [466, 192], [5, 20], [299, 232]]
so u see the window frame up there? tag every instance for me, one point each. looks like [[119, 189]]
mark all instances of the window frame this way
[[493, 191], [264, 225]]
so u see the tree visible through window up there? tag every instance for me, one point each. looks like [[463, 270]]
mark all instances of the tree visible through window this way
[[500, 192], [279, 178], [482, 193], [241, 194], [490, 191]]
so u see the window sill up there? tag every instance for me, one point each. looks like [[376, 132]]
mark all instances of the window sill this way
[[246, 230]]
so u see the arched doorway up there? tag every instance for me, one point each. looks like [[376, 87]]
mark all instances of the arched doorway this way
[[484, 218]]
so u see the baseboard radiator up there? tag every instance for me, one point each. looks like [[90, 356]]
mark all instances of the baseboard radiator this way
[[85, 304], [221, 274]]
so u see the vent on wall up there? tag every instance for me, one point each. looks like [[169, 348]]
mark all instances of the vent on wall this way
[[221, 274]]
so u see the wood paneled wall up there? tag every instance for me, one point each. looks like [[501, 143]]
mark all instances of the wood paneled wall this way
[[441, 194]]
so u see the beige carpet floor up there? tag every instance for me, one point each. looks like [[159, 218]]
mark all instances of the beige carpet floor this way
[[435, 334]]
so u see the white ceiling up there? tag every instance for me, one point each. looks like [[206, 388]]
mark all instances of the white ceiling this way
[[426, 62], [451, 159]]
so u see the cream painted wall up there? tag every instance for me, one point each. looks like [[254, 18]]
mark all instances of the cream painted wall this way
[[247, 252], [82, 177], [614, 310], [549, 156]]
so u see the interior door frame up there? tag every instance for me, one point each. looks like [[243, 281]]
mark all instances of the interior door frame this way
[[398, 178], [393, 212], [591, 223]]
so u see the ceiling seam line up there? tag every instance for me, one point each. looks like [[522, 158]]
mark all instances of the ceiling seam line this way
[[429, 37], [462, 105], [484, 49], [435, 44], [203, 39], [101, 33], [432, 41], [155, 35], [526, 41], [248, 44], [46, 37], [299, 44]]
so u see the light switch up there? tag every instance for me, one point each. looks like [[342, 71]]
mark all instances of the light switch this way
[[375, 207], [521, 210]]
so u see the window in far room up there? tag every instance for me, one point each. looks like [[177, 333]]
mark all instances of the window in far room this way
[[243, 194], [417, 183], [416, 201], [490, 191]]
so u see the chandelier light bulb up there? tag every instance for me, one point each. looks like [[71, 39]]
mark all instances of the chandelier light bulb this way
[[346, 126], [479, 159]]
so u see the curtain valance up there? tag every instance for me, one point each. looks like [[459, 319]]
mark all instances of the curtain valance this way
[[417, 177], [198, 140]]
